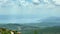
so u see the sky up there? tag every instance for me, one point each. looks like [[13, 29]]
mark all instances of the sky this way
[[28, 11]]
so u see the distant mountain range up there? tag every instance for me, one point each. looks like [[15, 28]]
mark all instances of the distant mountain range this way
[[49, 22]]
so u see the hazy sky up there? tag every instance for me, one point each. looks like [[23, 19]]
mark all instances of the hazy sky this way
[[28, 11]]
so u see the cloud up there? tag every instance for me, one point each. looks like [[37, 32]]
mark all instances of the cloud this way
[[57, 2], [3, 1], [25, 3], [26, 7], [13, 8], [45, 0], [36, 1]]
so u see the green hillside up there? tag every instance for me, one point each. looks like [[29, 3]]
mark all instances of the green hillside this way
[[29, 29]]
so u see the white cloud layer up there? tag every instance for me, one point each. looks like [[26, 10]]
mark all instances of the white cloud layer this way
[[36, 1], [57, 2], [26, 3], [14, 8]]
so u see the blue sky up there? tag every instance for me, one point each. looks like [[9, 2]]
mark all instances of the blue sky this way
[[28, 11]]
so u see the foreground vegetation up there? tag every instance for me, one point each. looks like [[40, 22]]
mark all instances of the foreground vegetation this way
[[48, 30], [6, 31]]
